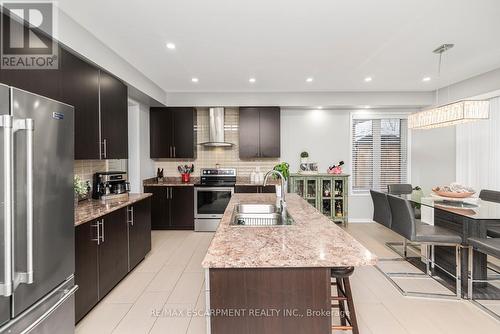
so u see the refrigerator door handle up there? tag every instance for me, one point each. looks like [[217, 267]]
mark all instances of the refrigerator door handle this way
[[6, 285], [28, 125]]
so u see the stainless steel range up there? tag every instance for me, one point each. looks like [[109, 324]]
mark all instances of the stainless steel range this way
[[211, 197]]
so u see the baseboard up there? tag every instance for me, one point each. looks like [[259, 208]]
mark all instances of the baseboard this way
[[360, 220]]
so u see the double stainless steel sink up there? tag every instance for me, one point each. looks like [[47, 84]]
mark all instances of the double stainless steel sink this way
[[259, 215]]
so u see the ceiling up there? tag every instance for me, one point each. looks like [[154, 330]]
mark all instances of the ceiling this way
[[280, 43]]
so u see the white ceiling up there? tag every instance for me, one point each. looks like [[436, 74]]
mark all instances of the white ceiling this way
[[282, 42]]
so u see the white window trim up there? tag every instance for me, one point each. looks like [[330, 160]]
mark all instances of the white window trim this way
[[367, 114]]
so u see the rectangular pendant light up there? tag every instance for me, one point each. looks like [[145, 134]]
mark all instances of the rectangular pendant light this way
[[449, 114]]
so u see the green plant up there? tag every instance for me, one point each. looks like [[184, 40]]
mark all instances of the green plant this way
[[284, 169], [79, 186], [304, 155]]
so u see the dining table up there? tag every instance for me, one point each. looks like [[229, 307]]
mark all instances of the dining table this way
[[470, 217]]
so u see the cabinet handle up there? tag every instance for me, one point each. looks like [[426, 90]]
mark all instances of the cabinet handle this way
[[174, 152], [130, 211], [171, 155], [104, 148], [167, 193], [102, 234], [97, 226], [171, 194]]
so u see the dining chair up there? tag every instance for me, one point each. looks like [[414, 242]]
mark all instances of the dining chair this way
[[399, 189], [488, 246], [412, 229], [491, 196], [381, 208]]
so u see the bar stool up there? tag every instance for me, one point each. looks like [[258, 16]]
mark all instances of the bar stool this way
[[491, 247], [344, 296]]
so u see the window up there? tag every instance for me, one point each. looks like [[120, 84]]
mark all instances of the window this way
[[379, 153]]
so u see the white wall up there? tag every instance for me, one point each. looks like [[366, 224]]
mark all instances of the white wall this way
[[73, 35], [337, 100], [325, 135], [433, 157], [478, 151], [140, 166]]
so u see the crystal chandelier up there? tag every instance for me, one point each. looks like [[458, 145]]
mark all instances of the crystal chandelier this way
[[449, 114]]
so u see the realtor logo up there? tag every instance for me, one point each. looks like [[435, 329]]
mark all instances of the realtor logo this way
[[27, 28]]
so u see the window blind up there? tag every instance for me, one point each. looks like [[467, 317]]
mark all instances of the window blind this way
[[379, 153]]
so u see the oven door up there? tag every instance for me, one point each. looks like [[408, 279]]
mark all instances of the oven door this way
[[211, 202]]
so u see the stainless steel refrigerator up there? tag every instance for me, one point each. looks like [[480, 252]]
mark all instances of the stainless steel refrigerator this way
[[36, 214]]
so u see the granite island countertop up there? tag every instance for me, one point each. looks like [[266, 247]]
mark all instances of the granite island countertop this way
[[89, 210], [312, 241]]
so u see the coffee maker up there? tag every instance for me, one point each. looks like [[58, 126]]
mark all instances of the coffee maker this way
[[109, 183]]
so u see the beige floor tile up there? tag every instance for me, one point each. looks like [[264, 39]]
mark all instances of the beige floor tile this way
[[198, 325], [378, 319], [166, 279], [102, 319], [130, 288], [175, 319], [171, 277], [143, 314], [187, 289]]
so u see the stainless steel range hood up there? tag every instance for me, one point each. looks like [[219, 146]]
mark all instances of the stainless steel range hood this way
[[216, 129]]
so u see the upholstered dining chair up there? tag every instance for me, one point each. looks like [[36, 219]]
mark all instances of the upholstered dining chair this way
[[491, 196], [412, 229]]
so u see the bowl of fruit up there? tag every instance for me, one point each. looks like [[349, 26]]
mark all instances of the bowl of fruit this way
[[454, 190]]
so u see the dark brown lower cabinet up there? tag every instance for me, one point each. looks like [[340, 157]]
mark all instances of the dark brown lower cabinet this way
[[172, 208], [139, 231], [302, 296], [254, 189], [106, 249], [182, 208], [86, 269], [113, 249]]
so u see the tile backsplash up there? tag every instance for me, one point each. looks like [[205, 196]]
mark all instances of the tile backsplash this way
[[85, 169], [208, 157]]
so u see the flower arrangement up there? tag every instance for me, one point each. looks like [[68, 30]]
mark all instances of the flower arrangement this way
[[336, 169]]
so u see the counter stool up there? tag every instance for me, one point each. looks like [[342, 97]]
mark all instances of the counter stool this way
[[344, 295]]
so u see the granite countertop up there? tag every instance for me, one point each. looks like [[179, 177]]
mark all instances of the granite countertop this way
[[176, 181], [171, 182], [312, 241], [93, 209]]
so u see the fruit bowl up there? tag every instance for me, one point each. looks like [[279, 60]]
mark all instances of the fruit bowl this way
[[453, 194]]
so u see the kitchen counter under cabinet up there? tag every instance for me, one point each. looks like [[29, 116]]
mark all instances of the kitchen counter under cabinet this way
[[110, 240]]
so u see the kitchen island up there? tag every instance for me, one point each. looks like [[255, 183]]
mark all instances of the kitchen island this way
[[276, 279]]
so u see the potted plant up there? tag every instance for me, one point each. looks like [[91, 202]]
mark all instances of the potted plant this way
[[284, 169], [304, 157], [79, 188]]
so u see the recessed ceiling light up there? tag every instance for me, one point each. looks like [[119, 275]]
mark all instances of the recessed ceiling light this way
[[426, 79], [252, 80], [368, 79], [171, 46], [320, 107], [309, 80], [194, 80]]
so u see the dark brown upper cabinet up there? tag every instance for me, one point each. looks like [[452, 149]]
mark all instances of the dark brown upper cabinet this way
[[259, 132], [172, 133], [45, 82], [81, 90], [101, 114], [114, 117]]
